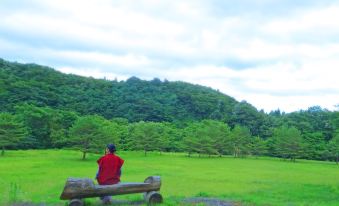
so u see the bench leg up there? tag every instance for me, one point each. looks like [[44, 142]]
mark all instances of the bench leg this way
[[76, 202], [152, 197]]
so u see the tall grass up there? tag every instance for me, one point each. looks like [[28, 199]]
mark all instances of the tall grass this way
[[39, 176]]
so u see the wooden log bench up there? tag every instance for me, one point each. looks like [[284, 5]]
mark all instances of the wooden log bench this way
[[76, 189]]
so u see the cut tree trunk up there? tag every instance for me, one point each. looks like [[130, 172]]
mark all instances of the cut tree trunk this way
[[76, 202], [78, 188], [83, 155], [153, 197]]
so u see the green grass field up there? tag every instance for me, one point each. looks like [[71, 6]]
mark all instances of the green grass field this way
[[39, 176]]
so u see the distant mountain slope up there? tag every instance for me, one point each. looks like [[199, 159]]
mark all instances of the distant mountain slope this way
[[155, 100], [133, 99]]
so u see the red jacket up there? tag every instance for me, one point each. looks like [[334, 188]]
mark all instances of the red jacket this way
[[109, 169]]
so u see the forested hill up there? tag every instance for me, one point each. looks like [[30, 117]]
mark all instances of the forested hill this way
[[48, 109], [133, 99]]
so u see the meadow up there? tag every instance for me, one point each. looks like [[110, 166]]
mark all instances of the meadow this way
[[39, 176]]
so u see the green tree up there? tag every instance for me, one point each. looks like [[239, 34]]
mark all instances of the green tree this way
[[246, 115], [47, 127], [314, 146], [38, 122], [173, 139], [60, 124], [11, 131], [288, 142], [166, 141], [239, 141], [145, 136], [90, 134], [220, 134], [111, 132], [333, 147], [257, 146], [191, 143], [202, 137], [121, 127]]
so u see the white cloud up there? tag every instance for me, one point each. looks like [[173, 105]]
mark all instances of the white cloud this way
[[270, 87], [129, 60], [309, 21], [291, 103], [288, 62], [93, 72]]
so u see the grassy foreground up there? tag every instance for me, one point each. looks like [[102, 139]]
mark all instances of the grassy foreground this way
[[39, 176]]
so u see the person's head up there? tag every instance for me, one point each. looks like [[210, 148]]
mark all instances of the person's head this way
[[111, 148]]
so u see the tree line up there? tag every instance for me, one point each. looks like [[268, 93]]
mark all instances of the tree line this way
[[43, 127]]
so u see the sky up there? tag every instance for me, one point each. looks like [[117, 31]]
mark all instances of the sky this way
[[274, 54]]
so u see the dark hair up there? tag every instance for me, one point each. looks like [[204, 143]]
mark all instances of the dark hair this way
[[111, 148]]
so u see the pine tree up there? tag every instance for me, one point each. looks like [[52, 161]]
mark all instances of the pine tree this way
[[334, 148], [90, 134], [145, 136], [221, 133], [11, 131], [257, 146], [288, 142], [200, 138], [240, 140]]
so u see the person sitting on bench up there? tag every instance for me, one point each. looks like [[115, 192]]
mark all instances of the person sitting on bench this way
[[109, 170]]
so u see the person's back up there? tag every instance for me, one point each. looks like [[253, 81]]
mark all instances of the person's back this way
[[109, 171]]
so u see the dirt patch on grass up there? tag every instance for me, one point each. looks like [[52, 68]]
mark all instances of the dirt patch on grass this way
[[192, 201], [208, 201]]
